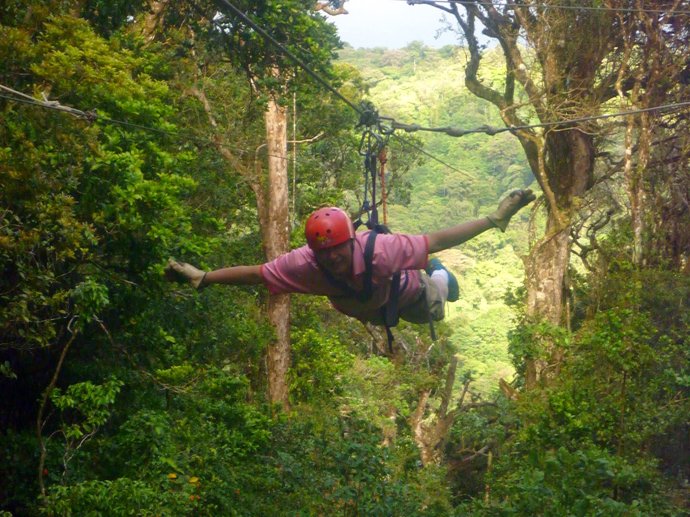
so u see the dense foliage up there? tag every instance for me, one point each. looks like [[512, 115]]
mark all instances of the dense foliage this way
[[127, 395]]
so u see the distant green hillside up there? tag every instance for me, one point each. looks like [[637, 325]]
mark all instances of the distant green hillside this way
[[426, 86]]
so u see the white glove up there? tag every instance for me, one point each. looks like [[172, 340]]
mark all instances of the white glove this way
[[509, 207], [185, 273]]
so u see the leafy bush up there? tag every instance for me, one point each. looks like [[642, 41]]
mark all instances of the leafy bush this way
[[589, 442], [119, 497]]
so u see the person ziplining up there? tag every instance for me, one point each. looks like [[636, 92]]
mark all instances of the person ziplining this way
[[362, 275], [335, 263]]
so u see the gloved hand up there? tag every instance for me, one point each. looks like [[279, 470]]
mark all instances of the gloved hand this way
[[185, 273], [509, 207]]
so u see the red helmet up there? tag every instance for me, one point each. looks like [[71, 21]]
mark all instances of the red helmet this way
[[328, 227]]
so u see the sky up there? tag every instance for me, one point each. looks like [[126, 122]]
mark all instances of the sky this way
[[391, 24]]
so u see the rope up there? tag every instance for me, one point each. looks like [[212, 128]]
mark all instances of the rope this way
[[92, 116], [287, 52], [323, 82], [383, 159], [489, 130], [410, 128], [514, 6], [448, 130], [428, 154], [373, 142]]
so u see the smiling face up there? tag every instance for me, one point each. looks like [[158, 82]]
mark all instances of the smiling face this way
[[337, 260]]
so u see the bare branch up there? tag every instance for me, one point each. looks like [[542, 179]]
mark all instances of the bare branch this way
[[41, 409], [328, 8]]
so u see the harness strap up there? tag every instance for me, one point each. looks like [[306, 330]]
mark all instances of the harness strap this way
[[368, 262], [391, 338], [432, 330], [425, 286], [389, 312], [366, 293]]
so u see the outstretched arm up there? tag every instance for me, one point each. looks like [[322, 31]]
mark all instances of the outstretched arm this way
[[449, 237], [454, 235], [236, 275]]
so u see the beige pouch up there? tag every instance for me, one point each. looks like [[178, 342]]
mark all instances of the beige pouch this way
[[429, 302]]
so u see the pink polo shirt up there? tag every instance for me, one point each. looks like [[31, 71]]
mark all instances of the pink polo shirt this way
[[298, 272]]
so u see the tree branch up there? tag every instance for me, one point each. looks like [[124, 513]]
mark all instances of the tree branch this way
[[41, 409], [327, 8]]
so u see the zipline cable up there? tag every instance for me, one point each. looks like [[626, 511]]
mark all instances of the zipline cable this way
[[413, 127], [428, 154], [489, 130], [509, 5], [318, 78], [288, 53], [396, 125], [92, 116], [410, 128]]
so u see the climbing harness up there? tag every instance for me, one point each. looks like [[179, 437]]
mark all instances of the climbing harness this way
[[372, 147]]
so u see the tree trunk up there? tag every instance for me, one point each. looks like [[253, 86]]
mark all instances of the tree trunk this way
[[276, 242], [431, 434], [272, 207], [153, 19], [563, 79], [565, 167], [418, 430], [545, 270]]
